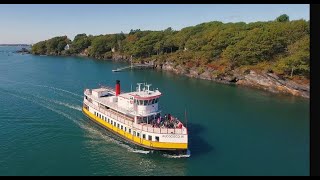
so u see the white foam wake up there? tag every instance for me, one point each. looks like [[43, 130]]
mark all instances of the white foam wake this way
[[188, 154], [176, 156], [94, 133]]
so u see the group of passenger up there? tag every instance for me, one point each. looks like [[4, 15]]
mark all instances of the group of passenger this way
[[167, 121]]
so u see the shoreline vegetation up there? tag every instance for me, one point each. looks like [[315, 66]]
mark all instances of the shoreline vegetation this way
[[272, 55]]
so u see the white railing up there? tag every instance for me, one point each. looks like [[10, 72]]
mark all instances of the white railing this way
[[109, 104], [130, 121]]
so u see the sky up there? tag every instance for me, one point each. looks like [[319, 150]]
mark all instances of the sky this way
[[30, 23]]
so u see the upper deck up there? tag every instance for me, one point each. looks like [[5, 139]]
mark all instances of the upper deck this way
[[144, 93], [108, 100]]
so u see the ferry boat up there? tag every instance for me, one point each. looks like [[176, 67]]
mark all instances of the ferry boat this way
[[136, 117]]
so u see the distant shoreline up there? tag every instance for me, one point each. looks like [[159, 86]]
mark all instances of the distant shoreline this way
[[15, 44]]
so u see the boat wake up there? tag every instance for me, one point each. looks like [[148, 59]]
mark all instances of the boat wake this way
[[187, 155], [94, 133], [78, 108], [141, 151], [39, 85], [43, 105], [176, 156]]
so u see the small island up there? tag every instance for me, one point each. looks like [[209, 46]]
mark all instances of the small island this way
[[272, 55], [23, 51]]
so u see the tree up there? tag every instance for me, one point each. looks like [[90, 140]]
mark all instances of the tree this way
[[39, 48], [298, 59], [283, 18]]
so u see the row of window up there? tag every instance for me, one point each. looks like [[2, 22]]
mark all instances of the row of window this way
[[113, 123], [146, 102]]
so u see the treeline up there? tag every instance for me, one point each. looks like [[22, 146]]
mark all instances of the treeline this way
[[281, 46]]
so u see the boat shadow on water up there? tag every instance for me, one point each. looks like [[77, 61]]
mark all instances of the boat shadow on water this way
[[197, 145]]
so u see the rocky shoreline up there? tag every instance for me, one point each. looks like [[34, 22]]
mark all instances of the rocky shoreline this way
[[268, 81], [260, 80]]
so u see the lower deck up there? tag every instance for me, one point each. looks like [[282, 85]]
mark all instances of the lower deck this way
[[134, 139]]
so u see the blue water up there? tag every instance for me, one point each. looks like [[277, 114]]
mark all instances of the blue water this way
[[232, 130]]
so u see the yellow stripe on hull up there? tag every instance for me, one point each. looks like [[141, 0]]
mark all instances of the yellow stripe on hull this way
[[134, 139]]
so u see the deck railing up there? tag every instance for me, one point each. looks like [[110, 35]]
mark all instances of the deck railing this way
[[130, 121]]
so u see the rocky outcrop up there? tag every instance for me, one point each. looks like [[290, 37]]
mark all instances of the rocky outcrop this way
[[84, 53], [272, 82], [23, 51], [119, 57], [262, 80]]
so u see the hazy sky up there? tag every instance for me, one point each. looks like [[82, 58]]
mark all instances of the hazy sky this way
[[32, 23]]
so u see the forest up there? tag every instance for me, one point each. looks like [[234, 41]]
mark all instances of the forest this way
[[281, 46]]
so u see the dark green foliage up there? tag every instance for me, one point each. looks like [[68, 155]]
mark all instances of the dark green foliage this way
[[283, 18], [52, 46], [80, 42], [280, 43]]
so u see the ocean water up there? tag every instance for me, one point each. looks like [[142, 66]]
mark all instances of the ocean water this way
[[232, 130]]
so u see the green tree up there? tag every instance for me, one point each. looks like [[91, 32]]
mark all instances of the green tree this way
[[283, 18], [298, 59]]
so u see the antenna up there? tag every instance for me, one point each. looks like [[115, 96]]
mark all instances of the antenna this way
[[139, 85], [148, 87]]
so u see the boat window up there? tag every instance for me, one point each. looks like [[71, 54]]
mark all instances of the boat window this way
[[156, 101], [121, 127], [108, 120], [143, 136], [111, 122], [125, 128], [157, 138], [138, 134], [135, 101], [140, 102], [150, 138], [118, 125], [134, 133], [130, 131], [114, 123], [150, 102], [153, 100], [145, 102], [144, 119]]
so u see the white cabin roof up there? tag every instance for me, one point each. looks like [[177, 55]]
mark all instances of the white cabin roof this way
[[145, 93]]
